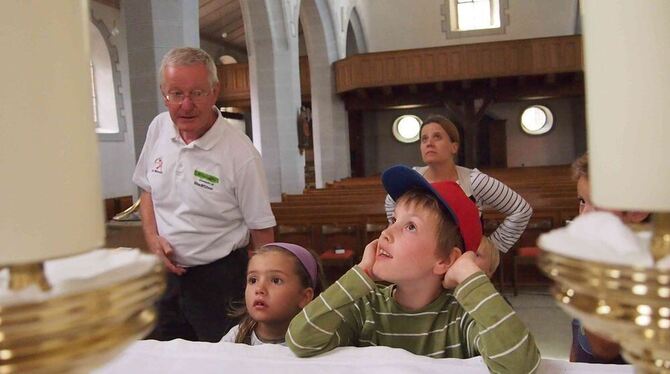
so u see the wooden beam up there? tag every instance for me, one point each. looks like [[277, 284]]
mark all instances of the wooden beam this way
[[470, 127], [550, 78], [455, 110], [362, 93], [521, 80], [387, 90], [432, 98], [482, 109]]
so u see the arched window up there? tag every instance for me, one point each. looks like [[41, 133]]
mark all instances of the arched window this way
[[105, 84]]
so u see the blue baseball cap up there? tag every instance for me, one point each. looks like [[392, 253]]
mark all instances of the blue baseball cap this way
[[399, 179]]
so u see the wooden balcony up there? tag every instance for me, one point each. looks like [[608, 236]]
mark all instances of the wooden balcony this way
[[526, 57], [501, 71]]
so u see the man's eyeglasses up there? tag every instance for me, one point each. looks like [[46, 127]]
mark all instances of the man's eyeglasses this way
[[196, 96]]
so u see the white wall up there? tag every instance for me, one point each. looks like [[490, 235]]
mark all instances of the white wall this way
[[117, 158], [406, 24], [557, 147]]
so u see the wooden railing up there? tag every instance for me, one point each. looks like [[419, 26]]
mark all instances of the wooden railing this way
[[440, 64], [462, 62]]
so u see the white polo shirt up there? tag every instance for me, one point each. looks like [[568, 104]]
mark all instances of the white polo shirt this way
[[206, 194]]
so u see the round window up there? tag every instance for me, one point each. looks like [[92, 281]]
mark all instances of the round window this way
[[537, 120], [406, 128]]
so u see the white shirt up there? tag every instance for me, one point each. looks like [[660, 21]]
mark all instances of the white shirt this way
[[206, 194], [232, 334]]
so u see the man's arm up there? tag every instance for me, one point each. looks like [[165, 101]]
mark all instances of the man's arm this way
[[156, 243], [262, 237]]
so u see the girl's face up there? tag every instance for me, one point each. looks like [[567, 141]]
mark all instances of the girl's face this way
[[274, 293], [436, 146]]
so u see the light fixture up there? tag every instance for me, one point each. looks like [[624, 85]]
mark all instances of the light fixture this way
[[406, 128], [537, 120]]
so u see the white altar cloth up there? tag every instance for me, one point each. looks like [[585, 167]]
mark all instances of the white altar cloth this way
[[180, 356]]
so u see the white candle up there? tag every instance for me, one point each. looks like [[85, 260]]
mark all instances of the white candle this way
[[50, 190], [627, 76]]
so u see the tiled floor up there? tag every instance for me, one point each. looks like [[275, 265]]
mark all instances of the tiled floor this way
[[548, 323]]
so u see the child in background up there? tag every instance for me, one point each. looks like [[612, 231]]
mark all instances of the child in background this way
[[427, 250], [587, 346], [281, 279]]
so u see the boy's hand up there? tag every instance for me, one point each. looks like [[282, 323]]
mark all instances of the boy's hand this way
[[368, 260], [462, 268]]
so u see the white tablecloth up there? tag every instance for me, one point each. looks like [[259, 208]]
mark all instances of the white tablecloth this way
[[179, 356]]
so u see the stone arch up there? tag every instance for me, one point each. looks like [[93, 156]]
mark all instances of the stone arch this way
[[356, 42], [110, 94]]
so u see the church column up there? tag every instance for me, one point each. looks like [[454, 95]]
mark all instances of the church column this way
[[153, 28], [329, 117], [271, 29]]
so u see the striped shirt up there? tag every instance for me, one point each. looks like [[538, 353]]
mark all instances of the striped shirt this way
[[470, 321], [489, 193]]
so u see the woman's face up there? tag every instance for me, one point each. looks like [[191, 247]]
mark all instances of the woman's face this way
[[436, 146]]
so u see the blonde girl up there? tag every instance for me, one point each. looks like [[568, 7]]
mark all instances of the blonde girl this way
[[281, 279]]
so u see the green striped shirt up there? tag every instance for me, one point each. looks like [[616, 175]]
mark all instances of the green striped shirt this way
[[470, 321]]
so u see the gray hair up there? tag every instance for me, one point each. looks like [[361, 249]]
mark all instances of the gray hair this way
[[185, 56]]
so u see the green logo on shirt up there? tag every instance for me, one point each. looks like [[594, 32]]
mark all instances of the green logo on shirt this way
[[204, 176]]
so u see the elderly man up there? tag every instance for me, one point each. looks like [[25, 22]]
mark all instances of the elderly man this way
[[204, 193]]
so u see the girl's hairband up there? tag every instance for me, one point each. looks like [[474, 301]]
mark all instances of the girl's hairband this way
[[303, 255]]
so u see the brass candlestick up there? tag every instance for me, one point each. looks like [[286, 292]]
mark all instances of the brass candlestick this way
[[79, 331], [629, 305]]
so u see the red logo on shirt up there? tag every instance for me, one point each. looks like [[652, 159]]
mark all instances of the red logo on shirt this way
[[158, 166]]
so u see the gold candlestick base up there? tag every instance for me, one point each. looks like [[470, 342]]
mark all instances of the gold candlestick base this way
[[78, 331], [625, 304], [22, 276]]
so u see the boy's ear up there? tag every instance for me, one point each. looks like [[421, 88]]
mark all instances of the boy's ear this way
[[443, 264], [307, 296]]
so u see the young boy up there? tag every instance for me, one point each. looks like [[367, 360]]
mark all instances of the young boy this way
[[420, 253]]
